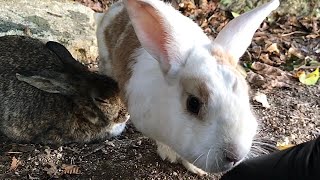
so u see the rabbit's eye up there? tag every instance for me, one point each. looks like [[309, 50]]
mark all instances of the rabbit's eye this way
[[193, 104], [100, 100]]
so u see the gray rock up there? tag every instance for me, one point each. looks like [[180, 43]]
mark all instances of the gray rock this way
[[65, 21]]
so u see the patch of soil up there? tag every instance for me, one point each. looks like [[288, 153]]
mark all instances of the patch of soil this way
[[129, 156], [293, 116]]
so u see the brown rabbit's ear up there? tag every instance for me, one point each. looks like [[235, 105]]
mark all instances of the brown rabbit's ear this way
[[65, 56], [51, 82]]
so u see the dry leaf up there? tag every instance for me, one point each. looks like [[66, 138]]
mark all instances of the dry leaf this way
[[261, 98], [110, 143], [265, 58], [70, 169], [284, 145], [298, 74], [273, 48], [255, 79], [14, 164], [32, 178], [267, 76], [313, 36], [52, 170], [295, 52]]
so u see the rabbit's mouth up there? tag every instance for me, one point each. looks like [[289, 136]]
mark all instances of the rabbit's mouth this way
[[217, 161], [117, 129]]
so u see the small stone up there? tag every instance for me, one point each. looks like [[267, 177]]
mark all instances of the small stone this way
[[139, 142], [60, 149]]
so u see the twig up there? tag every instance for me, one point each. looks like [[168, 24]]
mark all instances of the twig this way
[[14, 152], [295, 117], [53, 14], [95, 150], [294, 32]]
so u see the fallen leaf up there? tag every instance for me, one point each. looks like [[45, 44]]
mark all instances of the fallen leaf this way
[[313, 36], [268, 77], [14, 164], [313, 62], [298, 74], [70, 169], [283, 147], [262, 98], [52, 170], [255, 79], [32, 178], [285, 144], [265, 58], [309, 79], [110, 143], [273, 48], [234, 14], [295, 52]]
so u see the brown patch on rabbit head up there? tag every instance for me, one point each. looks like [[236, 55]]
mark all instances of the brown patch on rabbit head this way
[[227, 59], [223, 57], [198, 88], [122, 42]]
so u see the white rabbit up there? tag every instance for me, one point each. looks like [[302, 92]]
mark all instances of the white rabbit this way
[[182, 89]]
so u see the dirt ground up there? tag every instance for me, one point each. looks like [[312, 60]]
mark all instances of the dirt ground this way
[[292, 118]]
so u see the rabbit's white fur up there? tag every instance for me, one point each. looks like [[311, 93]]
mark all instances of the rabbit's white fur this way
[[177, 59]]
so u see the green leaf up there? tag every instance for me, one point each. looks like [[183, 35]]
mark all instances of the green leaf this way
[[309, 79], [234, 14]]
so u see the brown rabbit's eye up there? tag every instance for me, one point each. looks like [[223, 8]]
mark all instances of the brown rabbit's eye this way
[[193, 104], [100, 100]]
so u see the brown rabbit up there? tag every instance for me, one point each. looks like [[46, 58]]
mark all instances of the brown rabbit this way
[[48, 97]]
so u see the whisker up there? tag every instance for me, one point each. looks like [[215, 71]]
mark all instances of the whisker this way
[[207, 159], [224, 149], [217, 164], [197, 158], [261, 146]]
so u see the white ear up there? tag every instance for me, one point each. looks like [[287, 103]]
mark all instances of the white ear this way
[[154, 32], [237, 35]]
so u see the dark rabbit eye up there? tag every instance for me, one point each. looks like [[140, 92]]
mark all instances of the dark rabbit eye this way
[[193, 104], [100, 100]]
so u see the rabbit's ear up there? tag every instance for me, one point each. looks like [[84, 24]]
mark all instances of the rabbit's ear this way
[[65, 57], [237, 35], [153, 32], [55, 83]]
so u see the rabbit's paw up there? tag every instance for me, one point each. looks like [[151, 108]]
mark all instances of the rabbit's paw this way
[[166, 153], [192, 168]]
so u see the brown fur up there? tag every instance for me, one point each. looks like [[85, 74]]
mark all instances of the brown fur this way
[[121, 51], [199, 88], [228, 60], [223, 57], [29, 114]]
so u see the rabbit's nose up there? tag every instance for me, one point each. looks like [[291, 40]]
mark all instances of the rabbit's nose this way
[[232, 154], [232, 158]]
